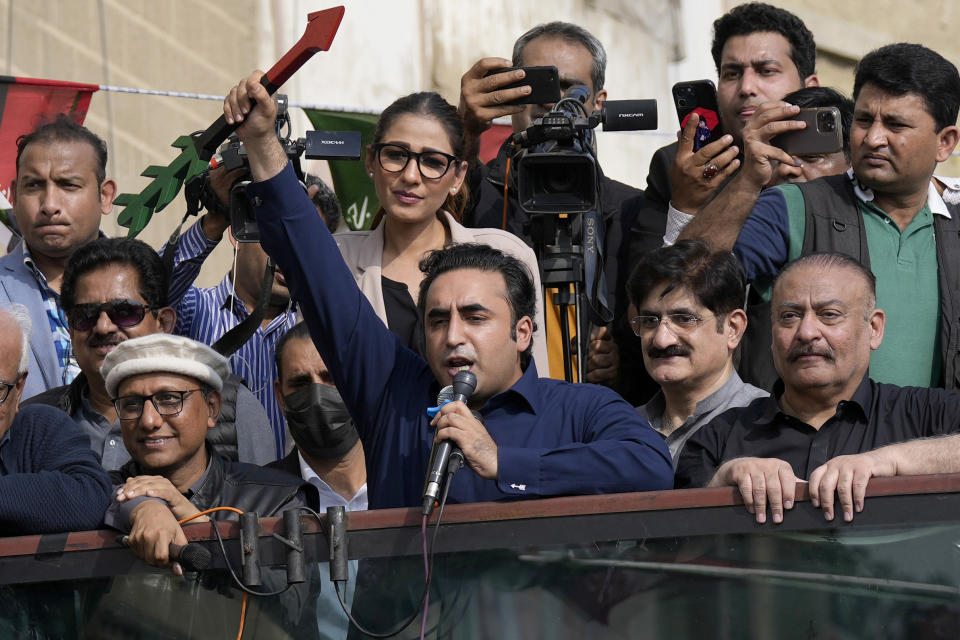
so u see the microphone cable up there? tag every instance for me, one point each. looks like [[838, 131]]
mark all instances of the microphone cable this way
[[226, 560], [421, 607]]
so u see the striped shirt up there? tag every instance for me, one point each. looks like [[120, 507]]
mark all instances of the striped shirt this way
[[205, 314], [57, 321]]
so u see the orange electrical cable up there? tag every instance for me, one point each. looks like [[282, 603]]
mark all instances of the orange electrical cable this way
[[506, 182], [203, 513], [243, 615], [243, 605]]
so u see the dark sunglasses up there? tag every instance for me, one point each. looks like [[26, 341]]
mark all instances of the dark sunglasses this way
[[123, 313]]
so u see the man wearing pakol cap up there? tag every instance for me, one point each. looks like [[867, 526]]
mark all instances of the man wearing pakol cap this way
[[166, 390]]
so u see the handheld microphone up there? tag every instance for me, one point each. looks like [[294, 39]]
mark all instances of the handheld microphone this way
[[191, 556], [464, 384]]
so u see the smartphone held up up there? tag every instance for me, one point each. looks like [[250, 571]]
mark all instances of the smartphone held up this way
[[700, 97]]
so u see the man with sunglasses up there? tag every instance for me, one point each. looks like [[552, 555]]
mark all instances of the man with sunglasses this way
[[166, 392], [686, 306], [115, 289], [49, 479]]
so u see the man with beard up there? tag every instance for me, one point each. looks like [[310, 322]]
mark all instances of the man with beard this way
[[761, 53], [827, 420], [686, 306], [115, 289], [206, 314], [885, 212]]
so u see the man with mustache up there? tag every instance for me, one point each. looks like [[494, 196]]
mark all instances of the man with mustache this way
[[885, 211], [686, 306], [761, 53], [827, 420], [115, 289]]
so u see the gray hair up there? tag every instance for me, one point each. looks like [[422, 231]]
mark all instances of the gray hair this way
[[21, 316], [571, 33], [829, 260]]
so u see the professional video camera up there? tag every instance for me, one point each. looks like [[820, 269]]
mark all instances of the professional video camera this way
[[557, 170], [559, 186], [316, 145]]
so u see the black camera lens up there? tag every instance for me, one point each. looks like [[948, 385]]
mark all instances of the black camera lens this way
[[825, 122], [682, 102]]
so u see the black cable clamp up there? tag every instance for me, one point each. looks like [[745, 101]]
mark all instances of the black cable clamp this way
[[293, 527], [250, 547], [337, 538]]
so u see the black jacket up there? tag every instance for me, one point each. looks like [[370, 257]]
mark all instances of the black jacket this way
[[290, 463], [244, 486]]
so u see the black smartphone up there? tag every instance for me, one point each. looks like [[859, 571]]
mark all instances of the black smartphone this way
[[700, 97], [544, 84], [823, 133]]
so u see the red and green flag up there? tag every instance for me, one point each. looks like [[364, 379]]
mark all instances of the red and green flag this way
[[25, 103]]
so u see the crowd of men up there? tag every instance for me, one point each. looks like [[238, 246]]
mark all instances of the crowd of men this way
[[778, 318]]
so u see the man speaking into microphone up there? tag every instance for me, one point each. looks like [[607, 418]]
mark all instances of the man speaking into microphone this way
[[537, 437]]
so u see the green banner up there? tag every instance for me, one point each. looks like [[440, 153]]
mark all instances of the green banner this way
[[350, 180]]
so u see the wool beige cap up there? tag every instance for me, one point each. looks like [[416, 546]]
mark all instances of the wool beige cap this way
[[163, 353]]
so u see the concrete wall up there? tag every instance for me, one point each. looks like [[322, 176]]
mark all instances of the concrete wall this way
[[197, 47]]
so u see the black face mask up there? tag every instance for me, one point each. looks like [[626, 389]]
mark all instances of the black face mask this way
[[319, 422]]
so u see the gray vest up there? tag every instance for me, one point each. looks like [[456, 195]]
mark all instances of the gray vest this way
[[833, 223]]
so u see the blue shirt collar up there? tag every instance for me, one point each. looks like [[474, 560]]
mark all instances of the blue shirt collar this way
[[524, 389]]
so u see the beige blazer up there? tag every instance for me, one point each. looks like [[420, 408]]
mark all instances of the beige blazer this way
[[363, 253]]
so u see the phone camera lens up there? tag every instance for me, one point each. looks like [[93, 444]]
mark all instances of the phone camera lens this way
[[682, 102], [825, 122]]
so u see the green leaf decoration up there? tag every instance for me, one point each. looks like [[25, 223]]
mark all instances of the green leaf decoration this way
[[166, 184]]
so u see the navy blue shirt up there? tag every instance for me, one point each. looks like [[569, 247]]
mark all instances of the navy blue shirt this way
[[553, 438], [877, 415], [50, 480]]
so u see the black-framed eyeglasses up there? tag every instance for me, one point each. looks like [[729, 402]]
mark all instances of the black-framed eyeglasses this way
[[167, 403], [679, 323], [123, 313], [5, 388], [432, 164]]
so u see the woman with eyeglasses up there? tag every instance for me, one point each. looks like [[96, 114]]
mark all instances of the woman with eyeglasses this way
[[417, 166]]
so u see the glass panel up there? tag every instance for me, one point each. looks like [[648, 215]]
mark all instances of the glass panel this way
[[889, 583], [862, 582]]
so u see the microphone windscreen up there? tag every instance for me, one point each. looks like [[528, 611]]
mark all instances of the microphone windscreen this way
[[464, 384], [629, 115], [192, 556], [445, 395]]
